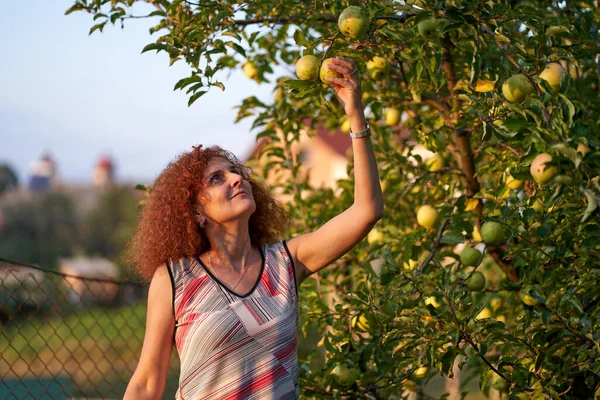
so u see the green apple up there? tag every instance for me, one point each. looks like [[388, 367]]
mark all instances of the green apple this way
[[345, 375], [307, 68], [325, 72], [476, 282], [469, 257], [428, 28], [493, 233], [517, 88], [353, 22], [540, 171], [554, 74]]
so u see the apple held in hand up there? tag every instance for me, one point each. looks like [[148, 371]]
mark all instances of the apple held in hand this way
[[325, 72]]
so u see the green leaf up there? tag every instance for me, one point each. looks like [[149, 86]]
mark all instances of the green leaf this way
[[75, 7], [297, 84], [219, 85], [300, 39], [452, 238], [448, 360], [99, 26], [195, 97], [155, 46], [237, 48]]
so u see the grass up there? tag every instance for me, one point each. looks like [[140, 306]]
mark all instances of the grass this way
[[94, 350]]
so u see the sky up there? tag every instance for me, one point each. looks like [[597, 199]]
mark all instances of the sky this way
[[80, 97]]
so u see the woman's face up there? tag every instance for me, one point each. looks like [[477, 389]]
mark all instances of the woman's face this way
[[227, 196]]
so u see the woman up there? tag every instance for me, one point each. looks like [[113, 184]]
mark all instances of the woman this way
[[225, 293]]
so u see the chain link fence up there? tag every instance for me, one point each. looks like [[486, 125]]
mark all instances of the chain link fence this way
[[68, 337]]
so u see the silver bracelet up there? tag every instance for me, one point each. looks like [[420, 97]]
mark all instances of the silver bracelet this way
[[360, 134]]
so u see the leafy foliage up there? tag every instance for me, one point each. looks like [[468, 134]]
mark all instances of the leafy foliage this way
[[449, 84]]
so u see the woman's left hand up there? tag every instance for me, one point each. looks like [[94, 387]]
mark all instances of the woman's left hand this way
[[348, 87]]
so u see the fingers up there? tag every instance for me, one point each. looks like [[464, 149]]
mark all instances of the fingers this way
[[346, 83], [345, 62], [345, 67]]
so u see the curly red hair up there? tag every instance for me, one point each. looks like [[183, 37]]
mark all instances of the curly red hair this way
[[167, 229]]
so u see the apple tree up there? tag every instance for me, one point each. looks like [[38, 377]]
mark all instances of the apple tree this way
[[485, 120]]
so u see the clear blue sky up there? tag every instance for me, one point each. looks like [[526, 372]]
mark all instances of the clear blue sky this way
[[81, 96]]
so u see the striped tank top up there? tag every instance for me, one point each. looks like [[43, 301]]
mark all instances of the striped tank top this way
[[237, 347]]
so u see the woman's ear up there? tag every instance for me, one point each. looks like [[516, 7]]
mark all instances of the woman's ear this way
[[198, 215]]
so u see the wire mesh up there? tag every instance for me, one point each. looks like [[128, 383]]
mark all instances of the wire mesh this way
[[64, 336]]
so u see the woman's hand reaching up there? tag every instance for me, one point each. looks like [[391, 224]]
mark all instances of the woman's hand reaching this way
[[347, 88]]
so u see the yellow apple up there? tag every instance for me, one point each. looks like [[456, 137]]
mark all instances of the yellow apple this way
[[427, 216], [345, 125], [353, 22], [250, 70], [307, 68], [325, 72], [554, 74], [517, 88], [375, 236], [434, 163], [376, 63], [392, 117], [539, 171]]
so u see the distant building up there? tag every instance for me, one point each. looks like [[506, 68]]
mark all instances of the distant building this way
[[324, 158], [104, 172], [41, 173]]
